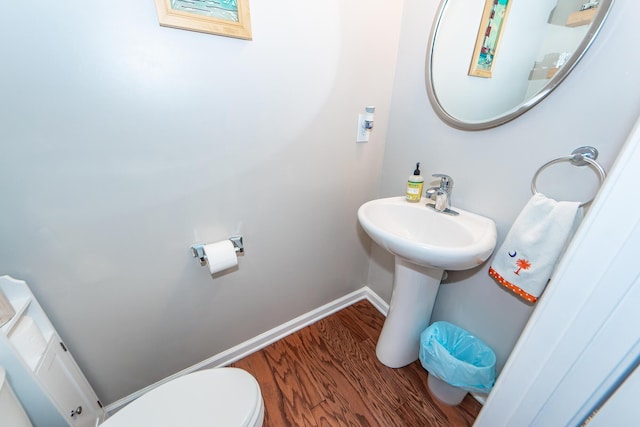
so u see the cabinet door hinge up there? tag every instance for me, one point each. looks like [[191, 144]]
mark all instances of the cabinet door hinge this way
[[63, 347]]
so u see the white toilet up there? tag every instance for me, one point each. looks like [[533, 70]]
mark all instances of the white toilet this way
[[221, 397], [11, 411]]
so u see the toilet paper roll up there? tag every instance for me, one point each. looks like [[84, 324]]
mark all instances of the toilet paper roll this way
[[28, 340], [220, 256]]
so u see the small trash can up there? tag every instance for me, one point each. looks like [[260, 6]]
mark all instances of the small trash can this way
[[457, 361]]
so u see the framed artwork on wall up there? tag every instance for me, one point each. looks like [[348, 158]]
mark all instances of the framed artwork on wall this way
[[494, 17], [228, 18]]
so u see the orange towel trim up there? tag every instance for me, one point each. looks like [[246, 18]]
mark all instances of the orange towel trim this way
[[513, 288]]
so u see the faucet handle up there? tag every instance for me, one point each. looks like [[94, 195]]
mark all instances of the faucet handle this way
[[446, 182]]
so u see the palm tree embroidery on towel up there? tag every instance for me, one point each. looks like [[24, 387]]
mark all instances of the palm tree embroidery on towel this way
[[522, 264]]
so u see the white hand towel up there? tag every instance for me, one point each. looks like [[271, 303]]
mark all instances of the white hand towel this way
[[525, 261]]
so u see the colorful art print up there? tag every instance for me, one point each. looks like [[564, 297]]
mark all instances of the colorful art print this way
[[229, 18], [488, 39]]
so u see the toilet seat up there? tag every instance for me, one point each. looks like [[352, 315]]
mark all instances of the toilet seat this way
[[221, 397]]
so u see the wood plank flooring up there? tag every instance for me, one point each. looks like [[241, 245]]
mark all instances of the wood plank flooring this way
[[327, 374]]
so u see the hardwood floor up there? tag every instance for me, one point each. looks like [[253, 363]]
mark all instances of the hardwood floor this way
[[327, 374]]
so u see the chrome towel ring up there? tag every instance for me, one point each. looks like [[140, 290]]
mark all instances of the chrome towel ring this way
[[581, 156]]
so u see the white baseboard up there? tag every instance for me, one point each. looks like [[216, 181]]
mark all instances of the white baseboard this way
[[251, 346]]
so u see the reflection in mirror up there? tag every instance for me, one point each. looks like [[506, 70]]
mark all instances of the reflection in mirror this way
[[540, 43]]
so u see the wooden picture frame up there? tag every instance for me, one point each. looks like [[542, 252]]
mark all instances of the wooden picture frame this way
[[492, 23], [230, 18]]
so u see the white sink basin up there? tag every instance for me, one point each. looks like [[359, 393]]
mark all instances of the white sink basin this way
[[425, 243], [426, 237]]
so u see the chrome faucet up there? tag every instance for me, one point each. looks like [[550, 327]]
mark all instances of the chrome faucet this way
[[441, 194]]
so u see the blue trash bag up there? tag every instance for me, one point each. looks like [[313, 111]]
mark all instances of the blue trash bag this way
[[457, 357]]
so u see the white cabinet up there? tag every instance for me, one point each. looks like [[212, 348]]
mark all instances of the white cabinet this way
[[40, 369]]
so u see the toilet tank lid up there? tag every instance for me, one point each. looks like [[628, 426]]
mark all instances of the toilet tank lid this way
[[219, 396]]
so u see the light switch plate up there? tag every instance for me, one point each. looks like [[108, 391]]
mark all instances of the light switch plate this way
[[362, 134]]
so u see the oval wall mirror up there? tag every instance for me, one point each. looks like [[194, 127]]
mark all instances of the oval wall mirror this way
[[489, 61]]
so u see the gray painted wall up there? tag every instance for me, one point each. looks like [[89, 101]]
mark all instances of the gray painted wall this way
[[596, 105], [123, 143]]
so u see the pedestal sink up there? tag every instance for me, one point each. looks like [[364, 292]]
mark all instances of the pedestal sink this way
[[425, 244]]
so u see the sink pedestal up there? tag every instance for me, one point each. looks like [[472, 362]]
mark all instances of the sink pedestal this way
[[414, 293], [418, 236]]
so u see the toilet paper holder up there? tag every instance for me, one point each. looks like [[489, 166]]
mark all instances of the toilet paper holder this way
[[198, 249]]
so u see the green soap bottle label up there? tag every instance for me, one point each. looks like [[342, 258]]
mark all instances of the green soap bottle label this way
[[414, 190]]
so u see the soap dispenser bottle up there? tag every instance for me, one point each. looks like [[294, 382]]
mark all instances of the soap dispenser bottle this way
[[414, 185]]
